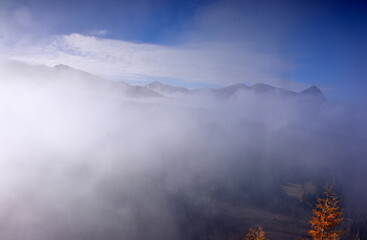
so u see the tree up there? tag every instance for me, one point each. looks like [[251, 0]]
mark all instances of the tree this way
[[255, 234], [327, 216]]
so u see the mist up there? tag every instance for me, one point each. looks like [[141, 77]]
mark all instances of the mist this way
[[81, 159]]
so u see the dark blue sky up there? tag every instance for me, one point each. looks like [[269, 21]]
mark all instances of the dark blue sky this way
[[330, 44], [324, 42], [157, 21]]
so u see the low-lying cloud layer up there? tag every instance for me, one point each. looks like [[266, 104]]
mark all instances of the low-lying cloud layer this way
[[77, 161]]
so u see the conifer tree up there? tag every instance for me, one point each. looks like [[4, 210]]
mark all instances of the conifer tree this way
[[327, 216], [255, 234]]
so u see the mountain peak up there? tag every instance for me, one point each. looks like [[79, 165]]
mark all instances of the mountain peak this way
[[313, 91], [235, 86], [167, 90], [156, 84], [62, 66], [313, 88], [262, 85]]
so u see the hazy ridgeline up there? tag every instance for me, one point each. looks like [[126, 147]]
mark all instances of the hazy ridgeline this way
[[82, 159]]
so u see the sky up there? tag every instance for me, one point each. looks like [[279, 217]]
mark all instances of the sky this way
[[196, 43]]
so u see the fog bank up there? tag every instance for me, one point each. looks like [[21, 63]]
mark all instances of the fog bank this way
[[81, 158]]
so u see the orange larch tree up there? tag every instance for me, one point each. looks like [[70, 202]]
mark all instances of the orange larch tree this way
[[255, 234], [327, 216]]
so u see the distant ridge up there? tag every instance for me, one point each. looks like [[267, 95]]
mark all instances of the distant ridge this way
[[76, 79], [155, 89], [264, 88], [167, 90], [228, 91]]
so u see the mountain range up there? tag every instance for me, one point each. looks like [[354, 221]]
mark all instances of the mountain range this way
[[152, 90]]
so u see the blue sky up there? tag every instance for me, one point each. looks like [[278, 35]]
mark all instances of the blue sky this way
[[292, 44]]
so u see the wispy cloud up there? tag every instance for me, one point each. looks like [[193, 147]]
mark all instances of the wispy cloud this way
[[208, 62], [98, 32]]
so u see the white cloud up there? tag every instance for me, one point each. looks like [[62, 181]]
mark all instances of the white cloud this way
[[208, 62], [98, 32]]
